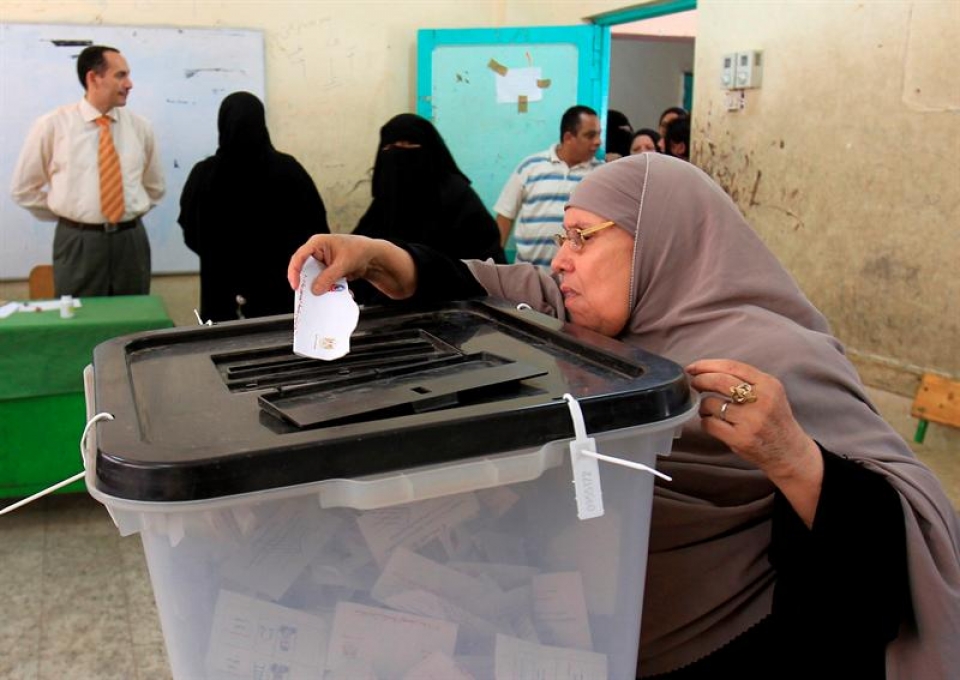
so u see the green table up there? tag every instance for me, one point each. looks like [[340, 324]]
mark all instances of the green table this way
[[42, 407]]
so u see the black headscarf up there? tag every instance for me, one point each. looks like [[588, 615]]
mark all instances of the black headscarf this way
[[618, 141], [421, 196], [244, 211], [433, 159], [242, 126]]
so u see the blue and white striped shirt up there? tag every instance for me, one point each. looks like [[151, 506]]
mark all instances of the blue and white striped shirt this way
[[534, 198]]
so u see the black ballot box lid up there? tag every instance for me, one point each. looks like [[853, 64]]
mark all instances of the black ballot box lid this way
[[212, 411]]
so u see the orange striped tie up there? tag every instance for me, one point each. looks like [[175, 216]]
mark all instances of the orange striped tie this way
[[111, 181]]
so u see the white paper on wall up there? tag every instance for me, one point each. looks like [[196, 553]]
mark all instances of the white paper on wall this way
[[519, 82]]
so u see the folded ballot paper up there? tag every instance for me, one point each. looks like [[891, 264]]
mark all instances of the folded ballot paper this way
[[323, 324]]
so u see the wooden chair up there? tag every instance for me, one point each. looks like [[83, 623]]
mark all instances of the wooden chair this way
[[40, 284], [938, 400]]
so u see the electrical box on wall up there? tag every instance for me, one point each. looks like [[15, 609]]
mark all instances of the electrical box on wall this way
[[728, 73], [742, 70], [749, 70]]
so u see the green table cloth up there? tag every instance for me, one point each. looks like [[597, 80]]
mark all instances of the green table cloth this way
[[42, 407]]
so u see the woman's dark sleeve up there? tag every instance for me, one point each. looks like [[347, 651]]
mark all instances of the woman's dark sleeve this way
[[842, 584], [440, 278]]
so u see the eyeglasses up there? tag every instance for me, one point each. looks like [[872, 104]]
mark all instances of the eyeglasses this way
[[577, 237]]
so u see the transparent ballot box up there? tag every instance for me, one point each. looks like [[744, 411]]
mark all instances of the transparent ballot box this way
[[406, 511]]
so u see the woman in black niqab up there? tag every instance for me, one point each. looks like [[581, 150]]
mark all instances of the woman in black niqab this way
[[243, 210], [421, 196]]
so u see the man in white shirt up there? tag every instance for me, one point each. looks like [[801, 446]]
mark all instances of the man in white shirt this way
[[534, 197], [58, 178]]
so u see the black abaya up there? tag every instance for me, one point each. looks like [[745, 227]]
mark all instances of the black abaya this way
[[244, 211]]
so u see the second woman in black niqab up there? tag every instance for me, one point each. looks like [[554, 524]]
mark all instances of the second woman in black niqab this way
[[421, 196]]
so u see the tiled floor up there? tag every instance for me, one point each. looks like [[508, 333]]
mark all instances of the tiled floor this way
[[76, 598]]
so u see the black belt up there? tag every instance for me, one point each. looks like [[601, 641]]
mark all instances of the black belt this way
[[106, 227]]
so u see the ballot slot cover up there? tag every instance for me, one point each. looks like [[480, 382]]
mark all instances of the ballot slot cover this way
[[386, 375], [399, 389]]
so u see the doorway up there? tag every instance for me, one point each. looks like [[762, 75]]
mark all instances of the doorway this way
[[651, 60]]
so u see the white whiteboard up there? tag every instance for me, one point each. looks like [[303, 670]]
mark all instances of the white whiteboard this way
[[180, 76]]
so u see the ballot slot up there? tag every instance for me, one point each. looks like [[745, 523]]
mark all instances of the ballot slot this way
[[417, 387], [277, 365]]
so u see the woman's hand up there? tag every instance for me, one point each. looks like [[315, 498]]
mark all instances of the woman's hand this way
[[385, 265], [759, 427]]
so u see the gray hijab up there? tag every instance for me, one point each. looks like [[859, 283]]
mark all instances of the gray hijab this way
[[703, 285]]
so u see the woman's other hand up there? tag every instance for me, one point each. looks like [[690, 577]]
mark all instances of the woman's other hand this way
[[748, 410], [385, 265]]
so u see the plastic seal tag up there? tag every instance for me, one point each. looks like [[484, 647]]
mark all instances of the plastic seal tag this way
[[323, 324], [586, 471]]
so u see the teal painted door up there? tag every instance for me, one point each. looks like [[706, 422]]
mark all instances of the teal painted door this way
[[497, 95]]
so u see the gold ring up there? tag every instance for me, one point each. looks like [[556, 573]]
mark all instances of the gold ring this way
[[743, 393], [723, 411]]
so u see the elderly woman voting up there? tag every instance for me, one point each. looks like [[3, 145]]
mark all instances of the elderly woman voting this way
[[799, 536]]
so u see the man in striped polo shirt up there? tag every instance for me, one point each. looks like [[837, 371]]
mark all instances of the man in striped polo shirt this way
[[537, 191]]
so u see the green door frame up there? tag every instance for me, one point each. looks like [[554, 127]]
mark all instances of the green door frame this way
[[688, 91], [649, 11]]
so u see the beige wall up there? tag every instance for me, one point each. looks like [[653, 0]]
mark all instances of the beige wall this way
[[558, 12], [335, 70], [846, 161]]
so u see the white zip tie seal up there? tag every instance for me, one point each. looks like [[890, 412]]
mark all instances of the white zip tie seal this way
[[200, 321], [586, 472]]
